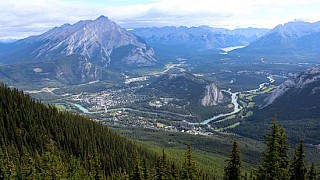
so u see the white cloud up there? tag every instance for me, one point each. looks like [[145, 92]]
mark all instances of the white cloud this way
[[21, 18]]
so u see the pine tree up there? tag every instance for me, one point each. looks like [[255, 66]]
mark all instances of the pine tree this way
[[189, 171], [274, 164], [283, 153], [298, 166], [137, 173], [158, 175], [53, 166], [76, 170], [312, 173], [2, 165], [145, 172], [162, 171], [233, 169], [27, 168], [174, 174]]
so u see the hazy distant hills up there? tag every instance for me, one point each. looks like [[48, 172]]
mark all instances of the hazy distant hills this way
[[198, 38], [292, 38], [77, 53]]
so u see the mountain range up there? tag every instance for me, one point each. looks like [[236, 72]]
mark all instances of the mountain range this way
[[88, 50], [292, 38], [199, 38]]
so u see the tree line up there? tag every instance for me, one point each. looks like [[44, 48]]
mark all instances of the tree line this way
[[275, 163]]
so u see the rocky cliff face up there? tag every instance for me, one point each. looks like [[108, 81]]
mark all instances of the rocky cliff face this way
[[212, 96], [308, 79]]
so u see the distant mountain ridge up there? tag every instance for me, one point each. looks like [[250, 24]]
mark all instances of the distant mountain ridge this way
[[198, 38], [296, 37]]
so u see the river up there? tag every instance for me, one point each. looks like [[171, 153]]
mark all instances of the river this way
[[236, 109], [83, 109], [234, 100]]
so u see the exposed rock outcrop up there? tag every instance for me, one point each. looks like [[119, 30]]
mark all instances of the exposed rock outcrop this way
[[212, 96]]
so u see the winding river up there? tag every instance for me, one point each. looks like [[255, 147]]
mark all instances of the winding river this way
[[236, 109], [234, 100]]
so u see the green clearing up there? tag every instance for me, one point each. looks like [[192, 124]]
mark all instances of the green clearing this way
[[250, 97], [243, 104], [241, 96], [251, 104], [60, 107], [249, 113], [233, 125], [270, 89]]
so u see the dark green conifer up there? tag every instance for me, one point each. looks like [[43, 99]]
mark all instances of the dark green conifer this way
[[145, 172], [298, 166], [2, 165], [137, 171], [174, 174], [283, 154], [312, 173], [233, 169], [189, 171], [274, 164], [162, 170]]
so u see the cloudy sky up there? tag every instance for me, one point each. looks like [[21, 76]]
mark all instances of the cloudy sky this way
[[22, 18]]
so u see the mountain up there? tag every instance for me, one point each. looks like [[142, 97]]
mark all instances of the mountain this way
[[198, 38], [80, 52], [297, 97], [6, 41], [296, 105], [97, 41], [291, 38]]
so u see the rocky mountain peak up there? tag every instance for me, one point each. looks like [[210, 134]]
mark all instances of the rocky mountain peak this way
[[81, 52], [96, 40], [102, 18]]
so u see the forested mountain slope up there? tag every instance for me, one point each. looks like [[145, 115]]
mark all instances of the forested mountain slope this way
[[40, 142]]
